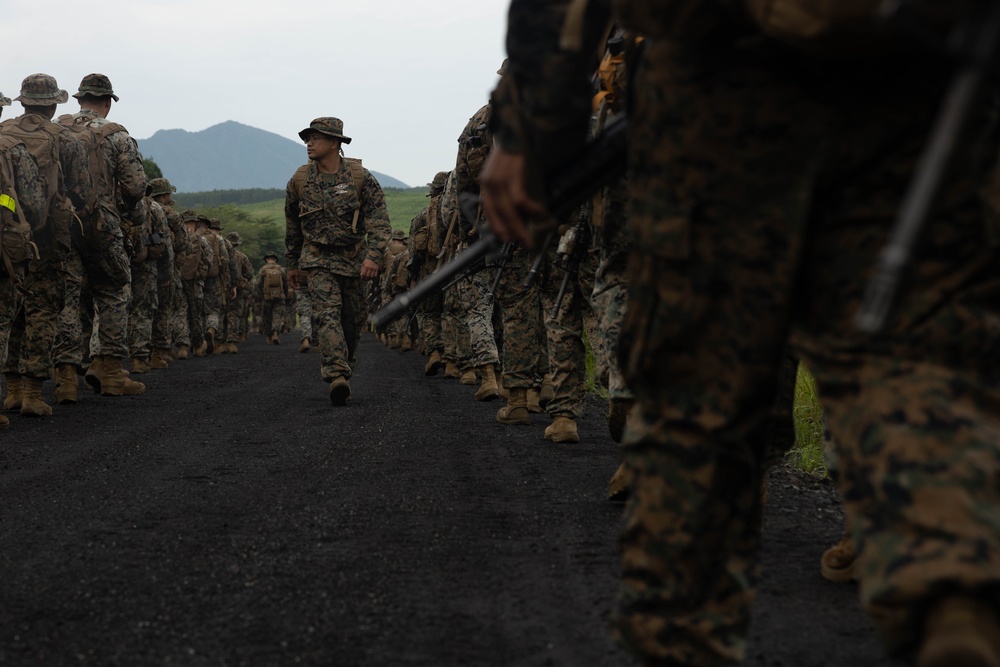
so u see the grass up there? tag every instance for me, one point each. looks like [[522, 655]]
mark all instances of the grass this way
[[807, 454]]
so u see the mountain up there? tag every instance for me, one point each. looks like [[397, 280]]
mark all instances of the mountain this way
[[230, 156]]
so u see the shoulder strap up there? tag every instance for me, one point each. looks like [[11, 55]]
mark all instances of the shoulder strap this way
[[358, 176], [299, 178]]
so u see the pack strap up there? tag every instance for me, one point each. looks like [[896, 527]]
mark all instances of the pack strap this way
[[358, 176]]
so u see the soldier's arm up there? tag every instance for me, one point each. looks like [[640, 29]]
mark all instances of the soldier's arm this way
[[376, 217], [129, 173], [27, 185], [293, 228]]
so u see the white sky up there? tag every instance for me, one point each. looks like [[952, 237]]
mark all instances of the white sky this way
[[403, 75]]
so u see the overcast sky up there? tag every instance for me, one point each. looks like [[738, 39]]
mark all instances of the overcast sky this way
[[403, 75]]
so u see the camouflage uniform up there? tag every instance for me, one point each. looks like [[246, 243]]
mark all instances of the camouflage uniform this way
[[145, 282], [395, 281], [169, 285], [269, 323], [304, 310], [424, 244], [324, 239], [34, 328], [214, 286], [457, 353], [757, 171], [19, 166], [200, 262], [238, 309]]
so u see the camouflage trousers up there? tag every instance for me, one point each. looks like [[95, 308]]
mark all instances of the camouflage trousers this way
[[213, 304], [563, 331], [88, 290], [455, 330], [339, 315], [429, 323], [237, 312], [478, 306], [33, 331], [145, 300], [757, 219], [180, 328], [609, 300], [269, 324], [195, 297], [525, 357], [284, 316], [161, 336], [399, 326], [304, 310], [10, 303]]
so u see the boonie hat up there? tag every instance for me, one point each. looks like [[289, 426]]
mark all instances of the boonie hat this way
[[189, 215], [398, 234], [271, 254], [161, 186], [328, 125], [96, 84], [215, 223], [440, 180], [4, 101], [41, 90], [234, 238]]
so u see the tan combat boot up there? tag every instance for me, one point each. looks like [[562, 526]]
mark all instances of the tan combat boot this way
[[488, 389], [393, 342], [94, 374], [451, 370], [233, 348], [469, 378], [405, 344], [182, 352], [534, 406], [201, 349], [66, 385], [274, 339], [159, 359], [138, 365], [32, 404], [210, 334], [516, 411], [547, 391], [434, 364], [839, 562], [116, 381], [15, 392], [621, 484], [961, 631], [618, 409], [4, 422], [340, 391], [562, 429], [304, 345]]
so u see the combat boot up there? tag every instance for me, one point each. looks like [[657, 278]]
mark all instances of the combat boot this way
[[469, 378], [201, 349], [961, 631], [15, 392], [405, 344], [66, 385], [516, 411], [562, 429], [4, 422], [138, 365], [304, 345], [115, 381], [94, 374], [434, 364], [159, 359], [621, 484], [488, 389], [451, 370], [210, 340], [839, 562], [533, 405], [32, 404], [340, 391], [182, 352], [234, 348], [618, 409], [393, 342], [547, 391], [274, 339]]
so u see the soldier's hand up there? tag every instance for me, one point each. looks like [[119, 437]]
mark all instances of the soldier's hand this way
[[232, 293], [369, 269], [505, 199], [293, 278]]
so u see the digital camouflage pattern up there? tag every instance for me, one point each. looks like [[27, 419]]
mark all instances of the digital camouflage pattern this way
[[525, 352], [424, 226], [145, 291], [757, 155], [304, 310], [339, 315]]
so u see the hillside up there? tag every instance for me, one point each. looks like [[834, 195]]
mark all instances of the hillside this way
[[230, 156]]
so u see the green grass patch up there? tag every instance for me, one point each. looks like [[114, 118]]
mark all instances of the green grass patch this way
[[807, 454]]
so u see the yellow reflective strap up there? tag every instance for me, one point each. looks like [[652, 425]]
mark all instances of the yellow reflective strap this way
[[8, 202]]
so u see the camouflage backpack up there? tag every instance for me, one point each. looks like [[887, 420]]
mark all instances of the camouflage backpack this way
[[271, 282], [16, 247], [41, 138]]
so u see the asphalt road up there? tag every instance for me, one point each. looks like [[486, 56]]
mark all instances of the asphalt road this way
[[231, 516]]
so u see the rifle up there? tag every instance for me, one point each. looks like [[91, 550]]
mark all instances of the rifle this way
[[601, 162], [506, 252], [579, 236], [974, 42]]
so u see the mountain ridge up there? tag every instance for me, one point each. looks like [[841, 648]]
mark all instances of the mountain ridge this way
[[230, 156]]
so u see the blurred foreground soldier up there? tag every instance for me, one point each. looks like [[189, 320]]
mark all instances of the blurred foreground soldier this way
[[63, 168], [100, 250], [22, 208], [272, 289], [782, 170], [336, 230]]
